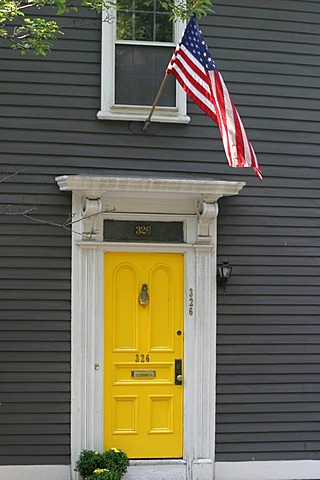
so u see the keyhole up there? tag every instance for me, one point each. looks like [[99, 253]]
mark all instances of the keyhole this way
[[179, 332]]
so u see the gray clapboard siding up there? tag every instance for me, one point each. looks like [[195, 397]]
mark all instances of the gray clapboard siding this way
[[34, 329], [268, 323]]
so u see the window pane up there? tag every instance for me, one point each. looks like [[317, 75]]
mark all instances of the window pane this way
[[143, 20], [124, 4], [124, 26], [164, 29], [143, 26], [139, 73], [144, 5]]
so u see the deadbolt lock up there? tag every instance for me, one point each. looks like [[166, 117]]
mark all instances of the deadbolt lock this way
[[178, 371]]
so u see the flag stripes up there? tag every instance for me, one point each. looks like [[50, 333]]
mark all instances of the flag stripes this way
[[195, 70]]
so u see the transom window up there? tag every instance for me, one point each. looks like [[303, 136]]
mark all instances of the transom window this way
[[136, 48]]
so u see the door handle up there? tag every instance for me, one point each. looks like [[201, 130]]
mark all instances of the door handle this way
[[178, 371]]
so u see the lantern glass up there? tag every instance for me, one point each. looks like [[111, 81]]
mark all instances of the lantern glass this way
[[225, 270]]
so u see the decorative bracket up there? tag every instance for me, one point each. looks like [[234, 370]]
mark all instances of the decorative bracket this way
[[91, 208], [207, 214]]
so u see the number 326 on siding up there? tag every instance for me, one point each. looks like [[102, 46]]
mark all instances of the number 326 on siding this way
[[191, 301]]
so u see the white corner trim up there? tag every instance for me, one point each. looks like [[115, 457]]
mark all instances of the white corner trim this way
[[273, 470], [35, 472]]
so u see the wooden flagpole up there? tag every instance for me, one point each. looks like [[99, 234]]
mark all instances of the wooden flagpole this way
[[155, 103]]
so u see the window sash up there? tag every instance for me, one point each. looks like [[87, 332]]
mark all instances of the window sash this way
[[109, 109]]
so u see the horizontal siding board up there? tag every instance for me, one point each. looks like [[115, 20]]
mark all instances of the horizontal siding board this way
[[265, 388], [256, 299], [35, 408], [30, 450], [278, 407], [257, 134], [268, 456], [37, 357], [36, 368], [35, 418], [291, 5], [32, 68], [56, 90], [268, 399], [28, 263], [13, 315], [269, 349], [25, 336], [34, 346], [36, 326], [282, 362], [280, 43], [291, 436], [39, 440], [292, 331], [294, 446], [25, 286], [57, 387], [199, 128], [38, 460], [37, 397], [39, 252], [41, 304], [9, 240], [267, 379], [269, 319], [291, 419]]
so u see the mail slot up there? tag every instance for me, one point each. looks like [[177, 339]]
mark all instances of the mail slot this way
[[143, 373]]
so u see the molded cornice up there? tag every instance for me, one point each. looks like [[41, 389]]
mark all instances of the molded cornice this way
[[98, 186]]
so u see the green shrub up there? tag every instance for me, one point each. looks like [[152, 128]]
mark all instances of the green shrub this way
[[109, 465], [88, 461], [116, 460], [104, 474]]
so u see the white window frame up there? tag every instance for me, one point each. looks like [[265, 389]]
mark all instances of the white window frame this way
[[110, 111]]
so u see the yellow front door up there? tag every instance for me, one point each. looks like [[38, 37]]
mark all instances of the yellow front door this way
[[143, 340]]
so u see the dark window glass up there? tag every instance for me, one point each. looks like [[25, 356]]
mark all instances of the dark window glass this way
[[139, 73], [142, 231]]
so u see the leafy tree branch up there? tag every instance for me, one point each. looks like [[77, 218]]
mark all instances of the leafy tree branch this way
[[29, 32]]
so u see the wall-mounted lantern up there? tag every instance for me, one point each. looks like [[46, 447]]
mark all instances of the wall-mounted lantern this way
[[223, 274]]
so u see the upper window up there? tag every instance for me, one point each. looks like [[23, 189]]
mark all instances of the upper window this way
[[137, 45]]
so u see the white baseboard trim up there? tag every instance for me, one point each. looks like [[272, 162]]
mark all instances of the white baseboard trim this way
[[35, 472], [275, 470]]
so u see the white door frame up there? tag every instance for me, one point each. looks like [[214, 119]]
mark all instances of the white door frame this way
[[194, 202]]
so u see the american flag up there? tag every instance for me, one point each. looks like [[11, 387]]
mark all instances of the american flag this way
[[194, 68]]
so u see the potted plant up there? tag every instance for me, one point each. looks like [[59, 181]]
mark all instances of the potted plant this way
[[109, 465]]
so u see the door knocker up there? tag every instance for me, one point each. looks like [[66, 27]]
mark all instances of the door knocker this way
[[144, 296]]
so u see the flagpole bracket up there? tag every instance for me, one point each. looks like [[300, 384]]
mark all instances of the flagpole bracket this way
[[145, 125]]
